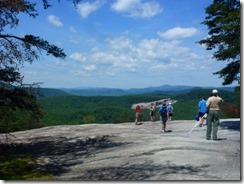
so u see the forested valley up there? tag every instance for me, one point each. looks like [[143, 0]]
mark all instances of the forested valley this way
[[75, 110]]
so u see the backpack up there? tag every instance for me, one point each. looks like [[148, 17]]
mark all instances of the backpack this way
[[196, 116], [163, 112]]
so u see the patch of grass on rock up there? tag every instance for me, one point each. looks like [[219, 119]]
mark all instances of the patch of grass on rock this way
[[21, 168]]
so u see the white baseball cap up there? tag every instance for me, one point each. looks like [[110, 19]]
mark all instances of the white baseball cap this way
[[215, 91]]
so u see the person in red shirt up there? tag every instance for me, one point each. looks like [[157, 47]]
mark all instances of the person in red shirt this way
[[138, 114]]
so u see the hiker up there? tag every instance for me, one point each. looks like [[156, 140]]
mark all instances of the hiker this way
[[152, 111], [213, 109], [163, 116], [169, 112], [201, 110], [138, 114]]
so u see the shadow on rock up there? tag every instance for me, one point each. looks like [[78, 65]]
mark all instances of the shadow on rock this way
[[56, 155], [144, 171], [231, 125]]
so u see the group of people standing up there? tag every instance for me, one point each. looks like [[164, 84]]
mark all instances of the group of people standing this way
[[165, 112], [169, 109], [211, 108]]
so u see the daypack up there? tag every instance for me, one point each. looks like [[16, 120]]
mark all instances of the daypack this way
[[196, 116], [163, 112]]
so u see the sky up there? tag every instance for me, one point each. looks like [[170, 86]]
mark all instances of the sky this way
[[122, 44]]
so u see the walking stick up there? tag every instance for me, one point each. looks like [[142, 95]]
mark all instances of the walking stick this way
[[193, 127]]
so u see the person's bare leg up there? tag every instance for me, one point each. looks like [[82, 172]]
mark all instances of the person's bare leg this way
[[201, 121], [163, 128]]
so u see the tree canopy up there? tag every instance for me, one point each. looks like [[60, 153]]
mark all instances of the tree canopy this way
[[223, 21], [14, 52]]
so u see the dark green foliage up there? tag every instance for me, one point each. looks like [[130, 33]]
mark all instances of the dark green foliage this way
[[73, 109], [21, 168], [18, 106], [30, 40], [187, 105], [69, 110], [196, 95], [223, 21]]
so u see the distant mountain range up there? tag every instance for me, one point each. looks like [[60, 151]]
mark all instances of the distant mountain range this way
[[164, 89]]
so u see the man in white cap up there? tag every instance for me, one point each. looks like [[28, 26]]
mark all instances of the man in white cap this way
[[213, 108], [169, 111]]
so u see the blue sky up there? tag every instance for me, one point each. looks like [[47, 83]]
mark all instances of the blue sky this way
[[122, 44]]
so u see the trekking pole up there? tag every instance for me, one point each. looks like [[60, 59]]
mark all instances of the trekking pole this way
[[193, 127]]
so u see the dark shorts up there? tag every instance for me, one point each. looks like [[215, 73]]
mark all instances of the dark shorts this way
[[163, 120], [201, 114]]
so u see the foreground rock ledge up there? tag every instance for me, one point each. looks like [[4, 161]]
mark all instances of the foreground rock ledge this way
[[132, 152]]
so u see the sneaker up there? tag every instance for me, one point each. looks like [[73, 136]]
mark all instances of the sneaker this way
[[163, 131]]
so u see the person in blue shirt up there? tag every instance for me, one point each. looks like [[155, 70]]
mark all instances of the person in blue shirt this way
[[163, 116], [202, 109], [170, 111]]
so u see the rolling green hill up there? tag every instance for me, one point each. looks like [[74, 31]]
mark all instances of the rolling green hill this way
[[60, 110], [46, 92], [165, 89], [97, 92]]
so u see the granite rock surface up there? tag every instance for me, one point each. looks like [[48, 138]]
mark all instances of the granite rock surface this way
[[129, 152]]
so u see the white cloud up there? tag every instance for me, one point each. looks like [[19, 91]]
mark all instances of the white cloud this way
[[86, 8], [178, 33], [90, 67], [136, 8], [125, 5], [54, 20], [146, 55], [78, 57], [124, 43]]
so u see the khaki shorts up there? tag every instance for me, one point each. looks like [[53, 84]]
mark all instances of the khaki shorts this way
[[137, 114]]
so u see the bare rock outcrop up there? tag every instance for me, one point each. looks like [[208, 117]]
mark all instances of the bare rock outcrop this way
[[129, 152], [158, 103]]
